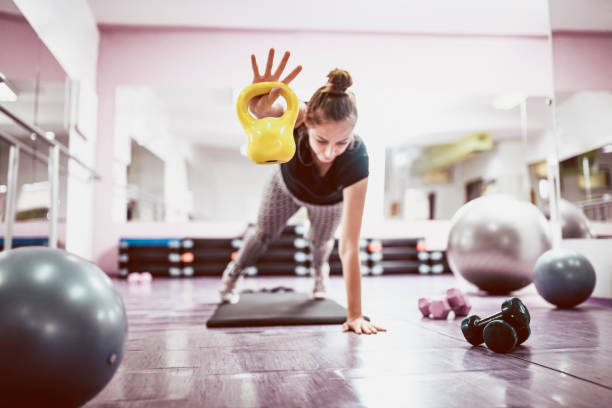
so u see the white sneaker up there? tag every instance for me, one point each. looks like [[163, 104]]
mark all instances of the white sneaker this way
[[321, 277], [228, 293]]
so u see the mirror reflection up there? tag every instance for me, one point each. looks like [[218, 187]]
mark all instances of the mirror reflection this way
[[178, 150], [476, 145], [34, 87], [582, 61]]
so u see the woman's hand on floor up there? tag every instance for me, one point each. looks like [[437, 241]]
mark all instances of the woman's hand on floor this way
[[360, 325]]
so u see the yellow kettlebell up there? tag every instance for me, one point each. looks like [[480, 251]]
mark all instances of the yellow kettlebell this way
[[270, 140]]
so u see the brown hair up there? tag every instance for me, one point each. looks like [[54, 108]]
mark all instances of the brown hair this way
[[332, 102]]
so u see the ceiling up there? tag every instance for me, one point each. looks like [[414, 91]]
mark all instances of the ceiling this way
[[502, 17], [517, 17]]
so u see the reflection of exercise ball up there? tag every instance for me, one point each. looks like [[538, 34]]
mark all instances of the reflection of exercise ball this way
[[563, 277], [495, 240], [574, 224], [62, 328]]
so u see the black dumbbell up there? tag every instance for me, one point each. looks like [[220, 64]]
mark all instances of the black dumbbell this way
[[514, 314], [500, 336]]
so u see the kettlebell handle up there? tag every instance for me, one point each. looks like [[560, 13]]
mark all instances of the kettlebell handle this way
[[261, 88]]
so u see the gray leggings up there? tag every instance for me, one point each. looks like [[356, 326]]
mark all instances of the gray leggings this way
[[278, 205]]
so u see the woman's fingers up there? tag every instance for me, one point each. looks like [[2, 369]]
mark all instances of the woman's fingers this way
[[256, 75], [292, 75], [281, 66], [269, 64], [275, 93], [362, 327], [267, 75]]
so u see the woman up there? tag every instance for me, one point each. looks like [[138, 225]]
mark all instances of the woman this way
[[328, 175]]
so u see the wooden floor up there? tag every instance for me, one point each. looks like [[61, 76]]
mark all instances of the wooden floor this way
[[172, 360]]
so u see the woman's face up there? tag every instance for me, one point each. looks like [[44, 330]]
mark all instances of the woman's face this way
[[329, 139]]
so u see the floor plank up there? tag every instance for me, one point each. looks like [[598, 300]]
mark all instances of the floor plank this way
[[172, 359]]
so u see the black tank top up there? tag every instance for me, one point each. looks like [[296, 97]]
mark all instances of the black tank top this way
[[303, 180]]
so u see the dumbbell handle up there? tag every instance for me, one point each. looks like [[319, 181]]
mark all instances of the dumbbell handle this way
[[487, 320], [503, 315], [473, 329]]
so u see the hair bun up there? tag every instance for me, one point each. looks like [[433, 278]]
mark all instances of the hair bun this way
[[339, 80]]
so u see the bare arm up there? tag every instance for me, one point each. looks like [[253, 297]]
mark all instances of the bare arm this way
[[352, 214]]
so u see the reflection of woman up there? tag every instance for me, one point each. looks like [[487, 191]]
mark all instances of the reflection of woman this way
[[328, 175]]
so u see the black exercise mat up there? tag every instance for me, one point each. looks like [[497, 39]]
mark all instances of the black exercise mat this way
[[277, 309]]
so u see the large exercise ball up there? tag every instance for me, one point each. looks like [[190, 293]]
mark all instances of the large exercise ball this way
[[495, 241], [62, 328], [564, 277]]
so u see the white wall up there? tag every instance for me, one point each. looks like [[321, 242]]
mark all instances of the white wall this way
[[177, 194], [227, 186], [584, 122]]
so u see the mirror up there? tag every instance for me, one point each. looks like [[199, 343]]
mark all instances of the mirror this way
[[581, 36], [179, 150], [35, 89], [166, 136], [470, 145]]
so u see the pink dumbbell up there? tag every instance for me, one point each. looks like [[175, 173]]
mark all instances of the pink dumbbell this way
[[133, 277], [145, 277], [440, 308], [458, 302], [436, 309], [139, 278]]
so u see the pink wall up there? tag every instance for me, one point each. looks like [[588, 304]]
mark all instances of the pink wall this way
[[582, 61], [182, 57], [22, 52], [220, 59]]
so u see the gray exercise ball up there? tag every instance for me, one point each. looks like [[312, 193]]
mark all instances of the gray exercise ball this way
[[62, 328], [564, 277], [495, 241]]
